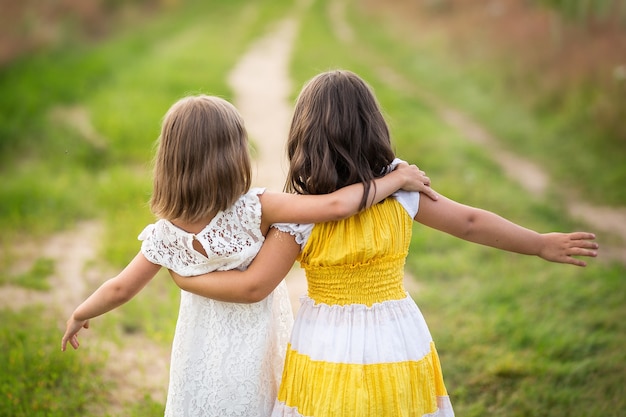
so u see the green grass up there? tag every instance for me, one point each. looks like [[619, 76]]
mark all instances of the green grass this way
[[36, 378], [517, 336]]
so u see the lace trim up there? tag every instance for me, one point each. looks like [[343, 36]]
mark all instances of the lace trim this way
[[301, 232], [233, 236]]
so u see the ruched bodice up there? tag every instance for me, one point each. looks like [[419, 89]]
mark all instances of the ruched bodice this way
[[361, 259]]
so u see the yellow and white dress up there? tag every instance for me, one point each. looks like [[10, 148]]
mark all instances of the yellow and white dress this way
[[360, 346]]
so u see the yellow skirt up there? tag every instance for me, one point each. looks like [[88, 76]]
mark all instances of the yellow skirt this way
[[361, 361]]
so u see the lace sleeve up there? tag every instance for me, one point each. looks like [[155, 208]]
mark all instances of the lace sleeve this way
[[148, 248], [301, 232]]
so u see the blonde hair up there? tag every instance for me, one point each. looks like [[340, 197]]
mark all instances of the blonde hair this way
[[202, 164]]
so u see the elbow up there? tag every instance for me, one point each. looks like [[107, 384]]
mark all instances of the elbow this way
[[340, 210], [478, 227], [121, 294], [469, 227], [252, 291], [254, 295]]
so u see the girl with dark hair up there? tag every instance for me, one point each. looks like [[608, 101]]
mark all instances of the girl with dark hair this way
[[360, 345]]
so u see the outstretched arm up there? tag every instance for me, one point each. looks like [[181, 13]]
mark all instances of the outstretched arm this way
[[295, 208], [270, 266], [113, 293], [486, 228]]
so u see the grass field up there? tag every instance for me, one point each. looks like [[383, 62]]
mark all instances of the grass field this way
[[517, 336]]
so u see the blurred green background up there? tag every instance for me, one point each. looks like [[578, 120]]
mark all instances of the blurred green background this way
[[464, 86]]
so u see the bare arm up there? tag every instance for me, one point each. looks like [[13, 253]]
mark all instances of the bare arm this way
[[487, 228], [270, 266], [294, 208], [113, 293]]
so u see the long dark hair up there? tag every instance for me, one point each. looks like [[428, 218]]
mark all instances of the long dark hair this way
[[338, 136]]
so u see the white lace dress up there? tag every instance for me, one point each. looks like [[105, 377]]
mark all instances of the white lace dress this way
[[227, 358]]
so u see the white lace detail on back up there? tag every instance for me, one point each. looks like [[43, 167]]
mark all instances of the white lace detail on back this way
[[231, 240], [227, 358]]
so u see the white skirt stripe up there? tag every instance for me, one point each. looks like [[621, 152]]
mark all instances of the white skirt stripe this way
[[391, 331]]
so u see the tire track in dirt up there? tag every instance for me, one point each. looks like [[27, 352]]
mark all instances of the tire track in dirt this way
[[261, 86], [70, 250], [607, 222]]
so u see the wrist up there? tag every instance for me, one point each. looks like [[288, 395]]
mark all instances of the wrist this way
[[397, 179]]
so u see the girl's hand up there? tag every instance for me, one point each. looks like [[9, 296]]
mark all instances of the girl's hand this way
[[561, 247], [416, 180], [71, 332]]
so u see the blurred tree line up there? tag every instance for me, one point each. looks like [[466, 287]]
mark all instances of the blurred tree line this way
[[603, 86], [589, 10], [581, 58], [27, 26], [561, 54]]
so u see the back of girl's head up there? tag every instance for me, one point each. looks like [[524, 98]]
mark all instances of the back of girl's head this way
[[338, 135], [202, 164]]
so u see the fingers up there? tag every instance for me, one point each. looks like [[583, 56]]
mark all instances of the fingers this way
[[74, 342], [576, 262], [582, 236], [425, 179], [580, 244], [71, 333], [430, 193], [582, 252], [583, 245]]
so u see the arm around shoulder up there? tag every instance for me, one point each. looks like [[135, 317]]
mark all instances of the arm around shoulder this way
[[268, 269], [342, 203]]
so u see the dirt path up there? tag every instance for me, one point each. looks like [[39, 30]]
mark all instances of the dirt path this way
[[70, 253]]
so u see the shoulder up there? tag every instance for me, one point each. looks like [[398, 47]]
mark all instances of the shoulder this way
[[256, 191], [160, 230], [410, 200], [247, 208], [151, 230], [248, 201], [252, 196], [300, 232]]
